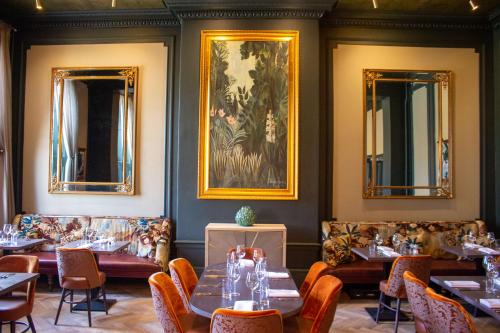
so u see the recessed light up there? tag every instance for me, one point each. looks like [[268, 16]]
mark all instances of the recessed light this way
[[38, 4], [375, 5], [113, 3], [473, 5]]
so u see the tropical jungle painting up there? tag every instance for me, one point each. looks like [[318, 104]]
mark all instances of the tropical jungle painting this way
[[248, 114]]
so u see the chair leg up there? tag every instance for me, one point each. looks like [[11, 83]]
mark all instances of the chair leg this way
[[89, 309], [12, 327], [396, 322], [71, 301], [379, 306], [32, 325], [50, 281], [104, 299], [63, 296]]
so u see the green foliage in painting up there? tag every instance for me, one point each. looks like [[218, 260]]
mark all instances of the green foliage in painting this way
[[249, 125]]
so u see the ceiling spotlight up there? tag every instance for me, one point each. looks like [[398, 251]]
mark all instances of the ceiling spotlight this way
[[38, 4], [113, 3], [473, 5], [375, 5]]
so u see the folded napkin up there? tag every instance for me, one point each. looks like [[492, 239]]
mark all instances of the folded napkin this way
[[492, 303], [390, 253], [104, 240], [277, 275], [85, 246], [283, 293], [488, 250], [471, 246], [243, 305], [462, 284], [246, 262], [384, 248]]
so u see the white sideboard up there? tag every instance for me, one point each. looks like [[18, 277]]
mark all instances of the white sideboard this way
[[220, 237]]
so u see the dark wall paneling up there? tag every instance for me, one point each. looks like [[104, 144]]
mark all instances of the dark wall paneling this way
[[494, 118], [301, 217]]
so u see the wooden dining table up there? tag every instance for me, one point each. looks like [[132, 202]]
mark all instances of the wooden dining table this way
[[10, 281], [207, 296], [471, 254], [21, 244]]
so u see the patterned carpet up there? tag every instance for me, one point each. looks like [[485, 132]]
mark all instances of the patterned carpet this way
[[134, 313]]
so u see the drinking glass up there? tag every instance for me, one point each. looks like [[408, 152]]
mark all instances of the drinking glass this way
[[252, 282], [372, 247], [7, 229], [490, 236], [261, 271], [240, 251], [396, 242], [378, 239], [234, 274], [257, 255], [226, 288], [491, 275], [264, 294]]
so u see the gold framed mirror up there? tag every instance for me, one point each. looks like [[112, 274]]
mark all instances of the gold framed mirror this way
[[92, 130], [407, 122]]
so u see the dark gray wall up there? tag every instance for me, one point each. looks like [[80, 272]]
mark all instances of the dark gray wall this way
[[496, 114], [190, 214]]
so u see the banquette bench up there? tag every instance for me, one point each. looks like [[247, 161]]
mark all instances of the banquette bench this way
[[340, 236], [147, 253]]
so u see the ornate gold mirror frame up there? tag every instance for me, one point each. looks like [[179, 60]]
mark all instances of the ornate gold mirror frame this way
[[408, 148], [81, 97]]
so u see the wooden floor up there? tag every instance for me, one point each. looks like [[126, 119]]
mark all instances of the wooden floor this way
[[134, 313]]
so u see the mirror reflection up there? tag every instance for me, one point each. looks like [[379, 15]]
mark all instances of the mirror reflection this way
[[407, 145], [92, 132]]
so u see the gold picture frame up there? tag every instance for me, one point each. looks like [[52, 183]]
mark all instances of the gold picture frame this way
[[248, 126]]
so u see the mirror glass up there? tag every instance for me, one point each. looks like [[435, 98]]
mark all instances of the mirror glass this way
[[407, 134], [92, 133]]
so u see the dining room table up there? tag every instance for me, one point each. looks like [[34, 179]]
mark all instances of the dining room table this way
[[470, 294], [10, 281], [476, 254], [207, 296], [97, 248], [20, 244]]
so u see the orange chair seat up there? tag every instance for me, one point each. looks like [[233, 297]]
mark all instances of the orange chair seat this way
[[297, 324], [192, 323], [77, 282], [14, 307]]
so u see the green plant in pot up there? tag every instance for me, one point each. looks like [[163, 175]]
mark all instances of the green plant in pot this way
[[245, 216]]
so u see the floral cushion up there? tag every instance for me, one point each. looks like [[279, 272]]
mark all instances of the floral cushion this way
[[430, 236]]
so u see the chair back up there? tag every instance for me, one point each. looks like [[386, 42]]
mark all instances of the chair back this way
[[415, 290], [317, 270], [447, 315], [248, 252], [185, 279], [77, 263], [321, 304], [167, 302], [420, 266], [233, 321], [22, 264]]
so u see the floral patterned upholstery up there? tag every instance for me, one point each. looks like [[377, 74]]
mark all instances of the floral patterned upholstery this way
[[420, 266], [232, 321], [317, 270], [448, 315], [185, 279], [144, 233], [77, 269], [415, 290], [340, 237]]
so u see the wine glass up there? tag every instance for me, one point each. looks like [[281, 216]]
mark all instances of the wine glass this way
[[234, 274], [257, 255], [240, 251], [261, 271], [490, 236], [378, 239], [491, 275], [396, 242], [7, 229], [252, 282]]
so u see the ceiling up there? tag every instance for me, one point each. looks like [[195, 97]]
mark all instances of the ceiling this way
[[395, 7]]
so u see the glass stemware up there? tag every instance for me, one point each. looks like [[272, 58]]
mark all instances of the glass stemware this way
[[396, 242], [261, 271], [240, 251], [257, 255], [7, 229], [252, 282], [491, 274], [490, 236], [234, 274], [378, 239]]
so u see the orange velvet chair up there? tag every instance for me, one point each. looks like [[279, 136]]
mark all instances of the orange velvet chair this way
[[16, 306], [170, 309], [248, 252], [394, 286], [448, 316], [317, 270], [232, 321], [185, 279], [77, 269], [415, 291], [319, 308]]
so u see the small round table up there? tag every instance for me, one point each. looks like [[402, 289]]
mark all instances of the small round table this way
[[207, 296]]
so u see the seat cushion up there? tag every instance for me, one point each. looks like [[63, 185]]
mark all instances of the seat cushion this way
[[81, 282], [453, 267], [193, 323], [297, 324], [13, 307], [359, 272]]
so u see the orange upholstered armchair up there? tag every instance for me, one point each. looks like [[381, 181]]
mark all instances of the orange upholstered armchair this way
[[169, 307], [317, 270], [77, 269], [415, 291], [185, 279], [394, 287], [448, 316], [232, 321], [249, 252], [319, 308], [16, 306]]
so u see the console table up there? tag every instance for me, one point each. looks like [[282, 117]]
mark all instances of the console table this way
[[219, 237]]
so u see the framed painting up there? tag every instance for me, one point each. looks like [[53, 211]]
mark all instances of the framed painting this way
[[248, 135]]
